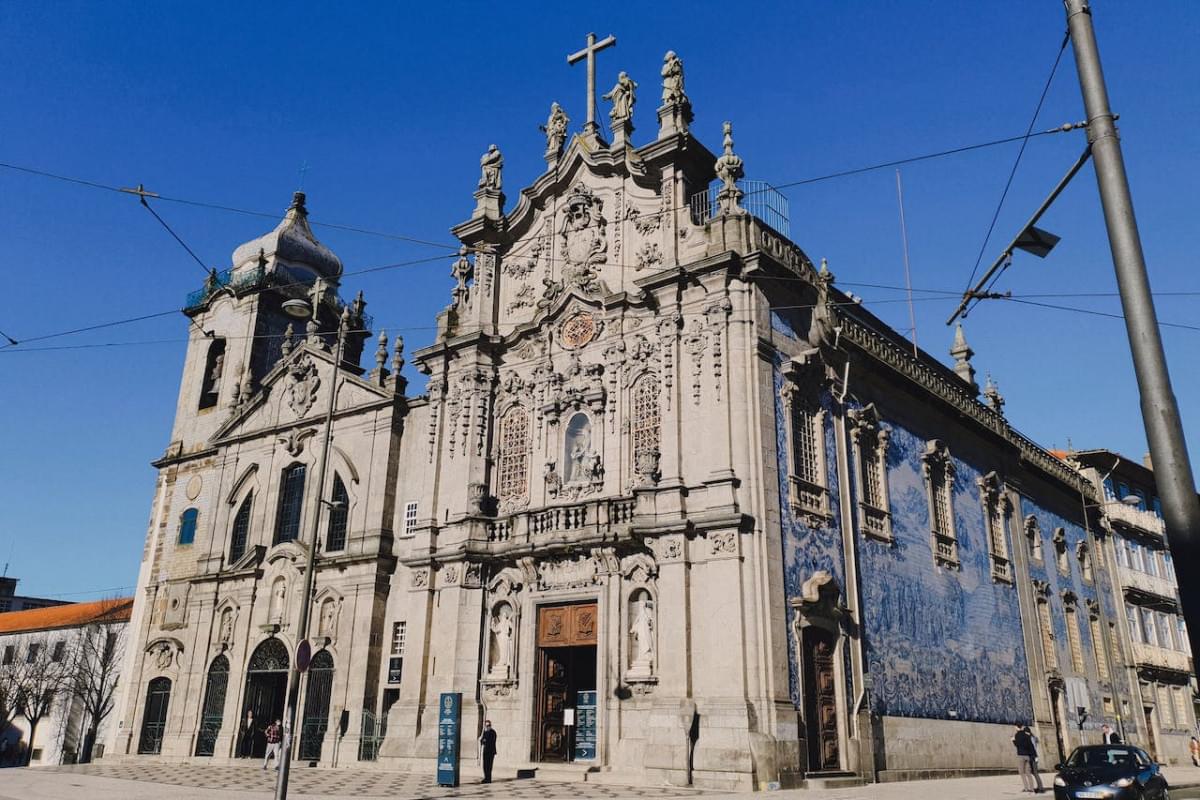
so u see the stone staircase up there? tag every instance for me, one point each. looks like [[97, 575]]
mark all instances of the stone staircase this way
[[832, 779]]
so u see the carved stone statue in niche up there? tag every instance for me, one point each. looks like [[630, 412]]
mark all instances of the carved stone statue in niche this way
[[226, 629], [328, 617], [278, 601], [577, 450], [553, 479], [641, 634], [503, 630]]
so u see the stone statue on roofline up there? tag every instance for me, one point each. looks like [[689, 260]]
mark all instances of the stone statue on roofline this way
[[555, 130], [623, 97], [672, 75], [490, 165]]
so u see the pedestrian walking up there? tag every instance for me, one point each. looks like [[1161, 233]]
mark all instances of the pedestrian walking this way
[[1023, 741], [1194, 749], [274, 735], [1108, 735], [487, 746], [1037, 754]]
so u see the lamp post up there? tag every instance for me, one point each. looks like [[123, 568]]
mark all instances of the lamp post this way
[[302, 309]]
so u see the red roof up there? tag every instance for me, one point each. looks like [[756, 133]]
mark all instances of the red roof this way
[[68, 616]]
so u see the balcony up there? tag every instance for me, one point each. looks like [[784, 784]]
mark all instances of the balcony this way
[[1135, 517], [760, 198], [578, 519], [1145, 583], [248, 280], [1148, 655]]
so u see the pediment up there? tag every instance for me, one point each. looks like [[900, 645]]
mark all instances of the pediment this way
[[293, 400]]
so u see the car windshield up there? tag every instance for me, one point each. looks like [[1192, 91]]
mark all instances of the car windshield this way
[[1103, 757]]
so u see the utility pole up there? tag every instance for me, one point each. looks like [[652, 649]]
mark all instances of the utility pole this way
[[1160, 412]]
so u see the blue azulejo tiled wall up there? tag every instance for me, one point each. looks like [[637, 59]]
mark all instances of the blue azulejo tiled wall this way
[[1047, 569], [941, 643], [806, 549]]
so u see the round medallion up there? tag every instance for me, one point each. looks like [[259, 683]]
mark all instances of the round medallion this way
[[193, 487], [578, 330]]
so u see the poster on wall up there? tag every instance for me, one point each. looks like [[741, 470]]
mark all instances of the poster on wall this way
[[585, 726], [449, 716]]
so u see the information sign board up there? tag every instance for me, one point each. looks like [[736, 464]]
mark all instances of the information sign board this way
[[585, 726], [449, 719]]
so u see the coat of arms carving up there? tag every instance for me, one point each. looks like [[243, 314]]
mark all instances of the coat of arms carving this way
[[303, 384], [585, 243]]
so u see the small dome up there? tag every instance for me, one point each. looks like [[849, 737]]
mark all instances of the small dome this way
[[291, 247]]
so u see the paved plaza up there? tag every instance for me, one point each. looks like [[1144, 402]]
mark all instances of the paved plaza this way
[[244, 782]]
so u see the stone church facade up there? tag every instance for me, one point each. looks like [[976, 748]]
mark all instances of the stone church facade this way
[[660, 457]]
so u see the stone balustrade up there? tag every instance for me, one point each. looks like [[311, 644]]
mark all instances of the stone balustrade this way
[[1135, 517], [1153, 656], [1144, 582], [529, 524]]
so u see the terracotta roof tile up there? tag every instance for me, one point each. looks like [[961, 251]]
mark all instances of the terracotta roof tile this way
[[67, 616]]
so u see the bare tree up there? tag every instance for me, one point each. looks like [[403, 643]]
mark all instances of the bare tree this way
[[97, 662], [33, 683]]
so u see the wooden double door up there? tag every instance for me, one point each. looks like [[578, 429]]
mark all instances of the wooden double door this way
[[566, 664]]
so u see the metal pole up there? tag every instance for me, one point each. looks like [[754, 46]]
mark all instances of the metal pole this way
[[1160, 413], [285, 757]]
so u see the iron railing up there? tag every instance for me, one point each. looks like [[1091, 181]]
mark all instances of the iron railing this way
[[258, 278], [374, 728], [759, 198]]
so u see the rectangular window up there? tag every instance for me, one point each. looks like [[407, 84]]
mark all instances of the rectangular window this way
[[1074, 641], [10, 653], [187, 526], [870, 443], [939, 486], [806, 462], [1181, 635], [1164, 632], [32, 654], [1122, 491], [512, 483], [1181, 707], [398, 635], [1109, 708], [291, 503], [60, 648], [1047, 631], [1096, 630], [410, 518], [1148, 632], [1109, 492], [1135, 625]]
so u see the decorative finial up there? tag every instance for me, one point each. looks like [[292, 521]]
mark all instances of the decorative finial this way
[[962, 352], [298, 200], [991, 393], [381, 351], [556, 132], [398, 358], [730, 170], [359, 304]]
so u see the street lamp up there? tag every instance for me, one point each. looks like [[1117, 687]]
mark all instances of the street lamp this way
[[303, 309]]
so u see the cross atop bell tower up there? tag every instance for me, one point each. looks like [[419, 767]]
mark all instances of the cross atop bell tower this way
[[590, 128]]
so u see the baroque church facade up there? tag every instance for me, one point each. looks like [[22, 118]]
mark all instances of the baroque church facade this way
[[664, 475]]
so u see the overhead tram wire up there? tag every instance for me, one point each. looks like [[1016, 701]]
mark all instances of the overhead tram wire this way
[[1016, 163]]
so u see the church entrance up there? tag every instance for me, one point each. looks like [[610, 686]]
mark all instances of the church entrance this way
[[820, 700], [266, 688], [566, 665]]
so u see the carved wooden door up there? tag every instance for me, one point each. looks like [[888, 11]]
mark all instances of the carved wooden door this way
[[553, 744], [821, 700], [566, 641]]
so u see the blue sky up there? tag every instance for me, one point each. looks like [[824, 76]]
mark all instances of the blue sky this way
[[391, 106]]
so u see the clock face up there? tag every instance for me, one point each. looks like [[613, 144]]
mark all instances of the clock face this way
[[578, 330]]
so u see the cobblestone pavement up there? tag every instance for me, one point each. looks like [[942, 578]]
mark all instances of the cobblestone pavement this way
[[326, 783]]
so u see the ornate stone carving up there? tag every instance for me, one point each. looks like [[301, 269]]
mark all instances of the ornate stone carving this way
[[648, 255], [450, 575], [729, 169], [551, 291], [293, 440], [303, 382], [556, 131], [646, 464], [642, 645], [584, 240], [623, 98], [716, 314], [420, 577], [578, 329], [695, 341], [567, 573], [643, 224], [476, 494], [672, 80], [532, 347], [473, 575], [723, 542], [668, 331], [462, 271], [553, 480], [666, 548], [436, 392]]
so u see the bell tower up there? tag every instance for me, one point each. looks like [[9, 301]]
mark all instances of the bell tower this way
[[239, 323]]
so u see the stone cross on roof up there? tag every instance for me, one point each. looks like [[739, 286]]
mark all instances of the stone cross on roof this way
[[589, 52]]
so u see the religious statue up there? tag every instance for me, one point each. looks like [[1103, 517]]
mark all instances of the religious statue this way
[[462, 271], [672, 75], [226, 634], [622, 97], [164, 657], [278, 598], [328, 616], [553, 479], [556, 129], [490, 165], [641, 632], [502, 642]]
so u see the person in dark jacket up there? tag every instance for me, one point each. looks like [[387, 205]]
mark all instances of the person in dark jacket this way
[[1108, 735], [487, 746], [1026, 756]]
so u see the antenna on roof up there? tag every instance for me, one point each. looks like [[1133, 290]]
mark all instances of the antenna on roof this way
[[912, 316]]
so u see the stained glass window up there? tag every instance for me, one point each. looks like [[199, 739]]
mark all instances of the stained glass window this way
[[645, 426], [241, 530], [339, 512], [514, 454]]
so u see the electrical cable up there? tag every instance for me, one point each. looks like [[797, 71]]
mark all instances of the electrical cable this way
[[1012, 173]]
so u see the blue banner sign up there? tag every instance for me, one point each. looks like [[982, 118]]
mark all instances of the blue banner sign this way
[[449, 718], [585, 726]]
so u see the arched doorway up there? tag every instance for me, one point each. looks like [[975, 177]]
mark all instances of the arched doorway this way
[[820, 699], [266, 688], [214, 706], [316, 706], [154, 718]]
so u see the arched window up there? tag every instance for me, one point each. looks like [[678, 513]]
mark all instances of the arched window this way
[[241, 530], [187, 526], [154, 716], [513, 464], [291, 503], [214, 364], [338, 513]]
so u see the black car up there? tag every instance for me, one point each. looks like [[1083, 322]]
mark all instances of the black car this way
[[1109, 772]]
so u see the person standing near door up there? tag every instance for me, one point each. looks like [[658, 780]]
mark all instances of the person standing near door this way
[[274, 735], [1023, 741], [487, 745]]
